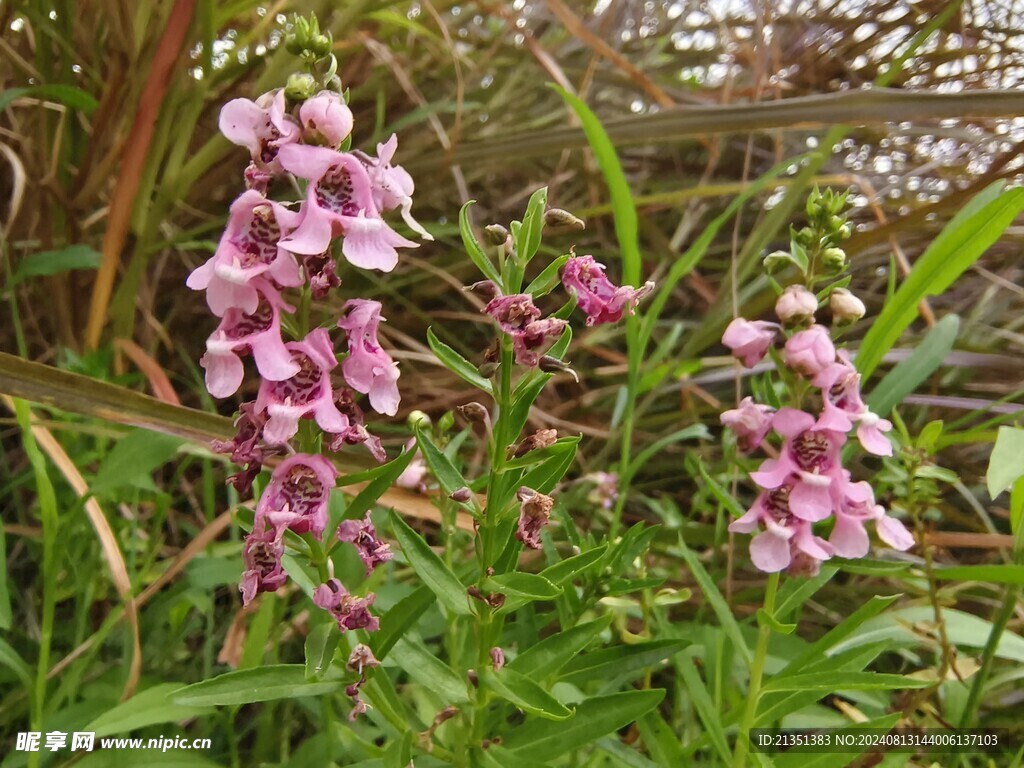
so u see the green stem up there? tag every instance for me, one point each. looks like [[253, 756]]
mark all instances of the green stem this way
[[756, 674], [634, 353]]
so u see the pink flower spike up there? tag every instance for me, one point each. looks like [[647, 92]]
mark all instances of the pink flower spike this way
[[368, 368], [361, 533], [248, 249], [749, 341], [602, 300], [259, 333], [262, 556], [298, 493], [750, 422], [260, 126], [339, 201], [392, 185], [810, 352], [326, 119], [349, 611], [870, 432], [307, 393]]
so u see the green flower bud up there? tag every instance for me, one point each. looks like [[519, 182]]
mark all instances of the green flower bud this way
[[320, 45], [496, 234], [300, 86], [833, 259], [776, 262], [418, 420], [556, 217], [446, 422]]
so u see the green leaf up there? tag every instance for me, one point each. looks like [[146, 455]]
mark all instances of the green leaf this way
[[5, 594], [766, 619], [428, 670], [457, 364], [366, 498], [521, 584], [841, 631], [545, 476], [546, 281], [269, 683], [397, 621], [562, 571], [692, 432], [552, 653], [529, 236], [705, 706], [473, 249], [716, 600], [320, 645], [842, 681], [524, 693], [67, 95], [909, 374], [543, 740], [149, 707], [620, 660], [9, 658], [996, 574], [133, 459], [1006, 463], [623, 207], [962, 241], [447, 475], [48, 263], [430, 568]]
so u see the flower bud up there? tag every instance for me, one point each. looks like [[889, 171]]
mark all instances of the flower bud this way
[[796, 306], [542, 438], [320, 45], [497, 658], [487, 369], [556, 217], [418, 420], [496, 234], [550, 364], [326, 119], [461, 495], [485, 289], [776, 261], [474, 413], [300, 86], [846, 308], [834, 259]]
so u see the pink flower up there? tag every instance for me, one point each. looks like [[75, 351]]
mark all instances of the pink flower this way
[[349, 611], [786, 538], [258, 332], [261, 126], [248, 249], [810, 352], [298, 493], [368, 368], [245, 448], [534, 513], [849, 538], [326, 119], [750, 422], [519, 317], [372, 551], [840, 391], [392, 186], [262, 556], [356, 433], [810, 461], [307, 393], [339, 201], [603, 301], [749, 341], [796, 306], [414, 475]]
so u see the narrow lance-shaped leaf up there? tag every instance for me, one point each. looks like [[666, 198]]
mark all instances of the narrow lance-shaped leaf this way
[[456, 363], [473, 249], [524, 693], [430, 568]]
